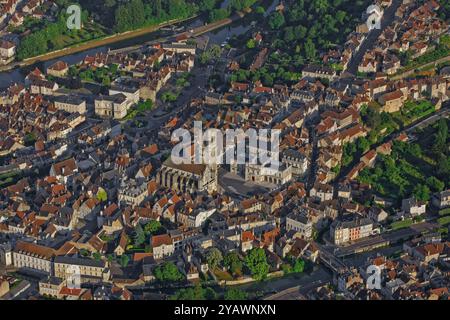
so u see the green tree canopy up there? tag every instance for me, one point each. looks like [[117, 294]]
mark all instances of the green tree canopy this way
[[168, 271], [235, 294], [256, 262], [233, 263], [214, 257]]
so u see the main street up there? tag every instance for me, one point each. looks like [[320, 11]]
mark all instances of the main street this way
[[291, 286], [369, 42]]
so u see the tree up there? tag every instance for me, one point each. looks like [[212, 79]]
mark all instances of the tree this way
[[235, 294], [299, 266], [421, 192], [139, 237], [218, 14], [196, 293], [260, 10], [289, 34], [442, 166], [168, 272], [102, 196], [233, 263], [152, 226], [106, 81], [363, 145], [441, 136], [214, 257], [310, 50], [372, 118], [276, 21], [124, 260], [251, 44], [207, 5], [435, 184], [256, 262], [212, 53], [97, 256]]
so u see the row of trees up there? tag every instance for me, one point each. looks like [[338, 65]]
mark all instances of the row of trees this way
[[206, 293], [255, 261], [48, 37], [138, 13], [418, 169]]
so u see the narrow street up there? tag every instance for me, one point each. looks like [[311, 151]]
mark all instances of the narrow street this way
[[369, 42]]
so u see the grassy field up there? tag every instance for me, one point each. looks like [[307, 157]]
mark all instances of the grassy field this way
[[402, 224], [444, 212], [444, 220], [413, 111]]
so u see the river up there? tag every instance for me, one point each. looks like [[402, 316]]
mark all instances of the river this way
[[215, 37]]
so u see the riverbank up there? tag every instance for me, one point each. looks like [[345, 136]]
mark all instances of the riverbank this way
[[92, 44]]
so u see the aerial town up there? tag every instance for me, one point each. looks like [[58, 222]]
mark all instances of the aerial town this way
[[94, 206]]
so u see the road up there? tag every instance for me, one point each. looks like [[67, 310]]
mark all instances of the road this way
[[423, 66], [294, 289], [443, 113], [369, 42]]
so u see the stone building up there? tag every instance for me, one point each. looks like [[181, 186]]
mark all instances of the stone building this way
[[296, 160], [187, 177], [345, 231], [70, 104], [87, 270], [162, 246], [299, 222], [33, 256], [265, 174], [115, 106], [132, 193]]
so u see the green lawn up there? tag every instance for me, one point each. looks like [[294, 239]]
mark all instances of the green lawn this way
[[444, 220], [413, 111], [444, 212], [442, 50], [401, 224]]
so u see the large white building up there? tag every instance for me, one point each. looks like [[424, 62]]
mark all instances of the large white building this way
[[33, 256], [70, 104], [88, 270], [162, 246], [132, 94], [7, 51], [132, 193], [345, 231], [115, 106], [300, 223]]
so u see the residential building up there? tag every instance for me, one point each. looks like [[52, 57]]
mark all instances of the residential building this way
[[345, 231]]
